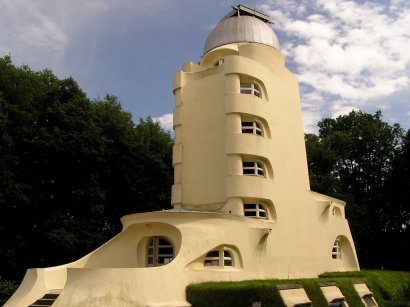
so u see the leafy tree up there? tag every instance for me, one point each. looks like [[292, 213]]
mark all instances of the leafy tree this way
[[70, 168], [321, 161], [351, 158], [397, 228], [398, 189], [7, 288]]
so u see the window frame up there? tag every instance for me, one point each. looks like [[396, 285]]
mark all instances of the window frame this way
[[154, 256], [219, 258], [251, 88], [257, 167], [252, 127], [257, 210], [337, 250]]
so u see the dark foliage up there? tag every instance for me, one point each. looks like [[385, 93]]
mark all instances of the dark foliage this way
[[363, 160], [7, 288], [70, 168], [233, 294]]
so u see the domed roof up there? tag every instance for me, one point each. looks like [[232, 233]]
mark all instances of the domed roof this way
[[236, 28]]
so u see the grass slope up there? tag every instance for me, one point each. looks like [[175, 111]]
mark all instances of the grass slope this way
[[389, 289]]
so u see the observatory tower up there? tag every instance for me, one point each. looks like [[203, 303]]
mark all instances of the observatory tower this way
[[242, 205]]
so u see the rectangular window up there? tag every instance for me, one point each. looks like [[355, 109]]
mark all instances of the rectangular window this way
[[250, 89], [336, 250], [255, 211], [253, 168], [251, 127]]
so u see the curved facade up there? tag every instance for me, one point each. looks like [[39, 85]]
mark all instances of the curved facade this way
[[243, 208]]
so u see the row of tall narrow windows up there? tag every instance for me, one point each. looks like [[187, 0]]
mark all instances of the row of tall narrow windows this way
[[253, 168]]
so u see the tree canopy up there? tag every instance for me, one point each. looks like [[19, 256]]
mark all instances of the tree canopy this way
[[363, 160], [70, 168]]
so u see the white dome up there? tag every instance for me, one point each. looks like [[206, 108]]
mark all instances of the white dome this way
[[241, 29]]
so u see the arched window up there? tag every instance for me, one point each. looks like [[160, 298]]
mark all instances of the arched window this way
[[251, 127], [253, 168], [251, 89], [160, 251], [221, 257], [257, 211], [336, 250]]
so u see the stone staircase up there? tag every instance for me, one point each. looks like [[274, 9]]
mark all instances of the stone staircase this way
[[47, 300]]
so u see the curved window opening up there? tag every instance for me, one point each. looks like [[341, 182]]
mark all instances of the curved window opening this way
[[219, 258], [257, 211], [252, 128], [253, 168], [160, 251], [251, 89], [219, 62], [336, 250]]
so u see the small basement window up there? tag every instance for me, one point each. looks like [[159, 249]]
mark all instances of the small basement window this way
[[251, 89], [333, 295], [369, 301], [251, 127], [365, 294], [257, 211], [337, 303], [221, 257], [253, 168], [294, 295]]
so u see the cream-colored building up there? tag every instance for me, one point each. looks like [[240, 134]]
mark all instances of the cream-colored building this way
[[243, 208]]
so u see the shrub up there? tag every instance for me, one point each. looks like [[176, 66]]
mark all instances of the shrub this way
[[240, 294], [7, 288]]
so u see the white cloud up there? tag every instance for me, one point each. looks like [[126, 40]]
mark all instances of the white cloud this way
[[344, 50], [23, 24], [165, 121], [40, 33], [342, 108], [310, 119]]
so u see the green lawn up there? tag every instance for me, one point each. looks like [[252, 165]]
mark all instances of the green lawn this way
[[389, 288]]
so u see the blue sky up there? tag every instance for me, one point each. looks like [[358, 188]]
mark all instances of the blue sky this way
[[346, 54]]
